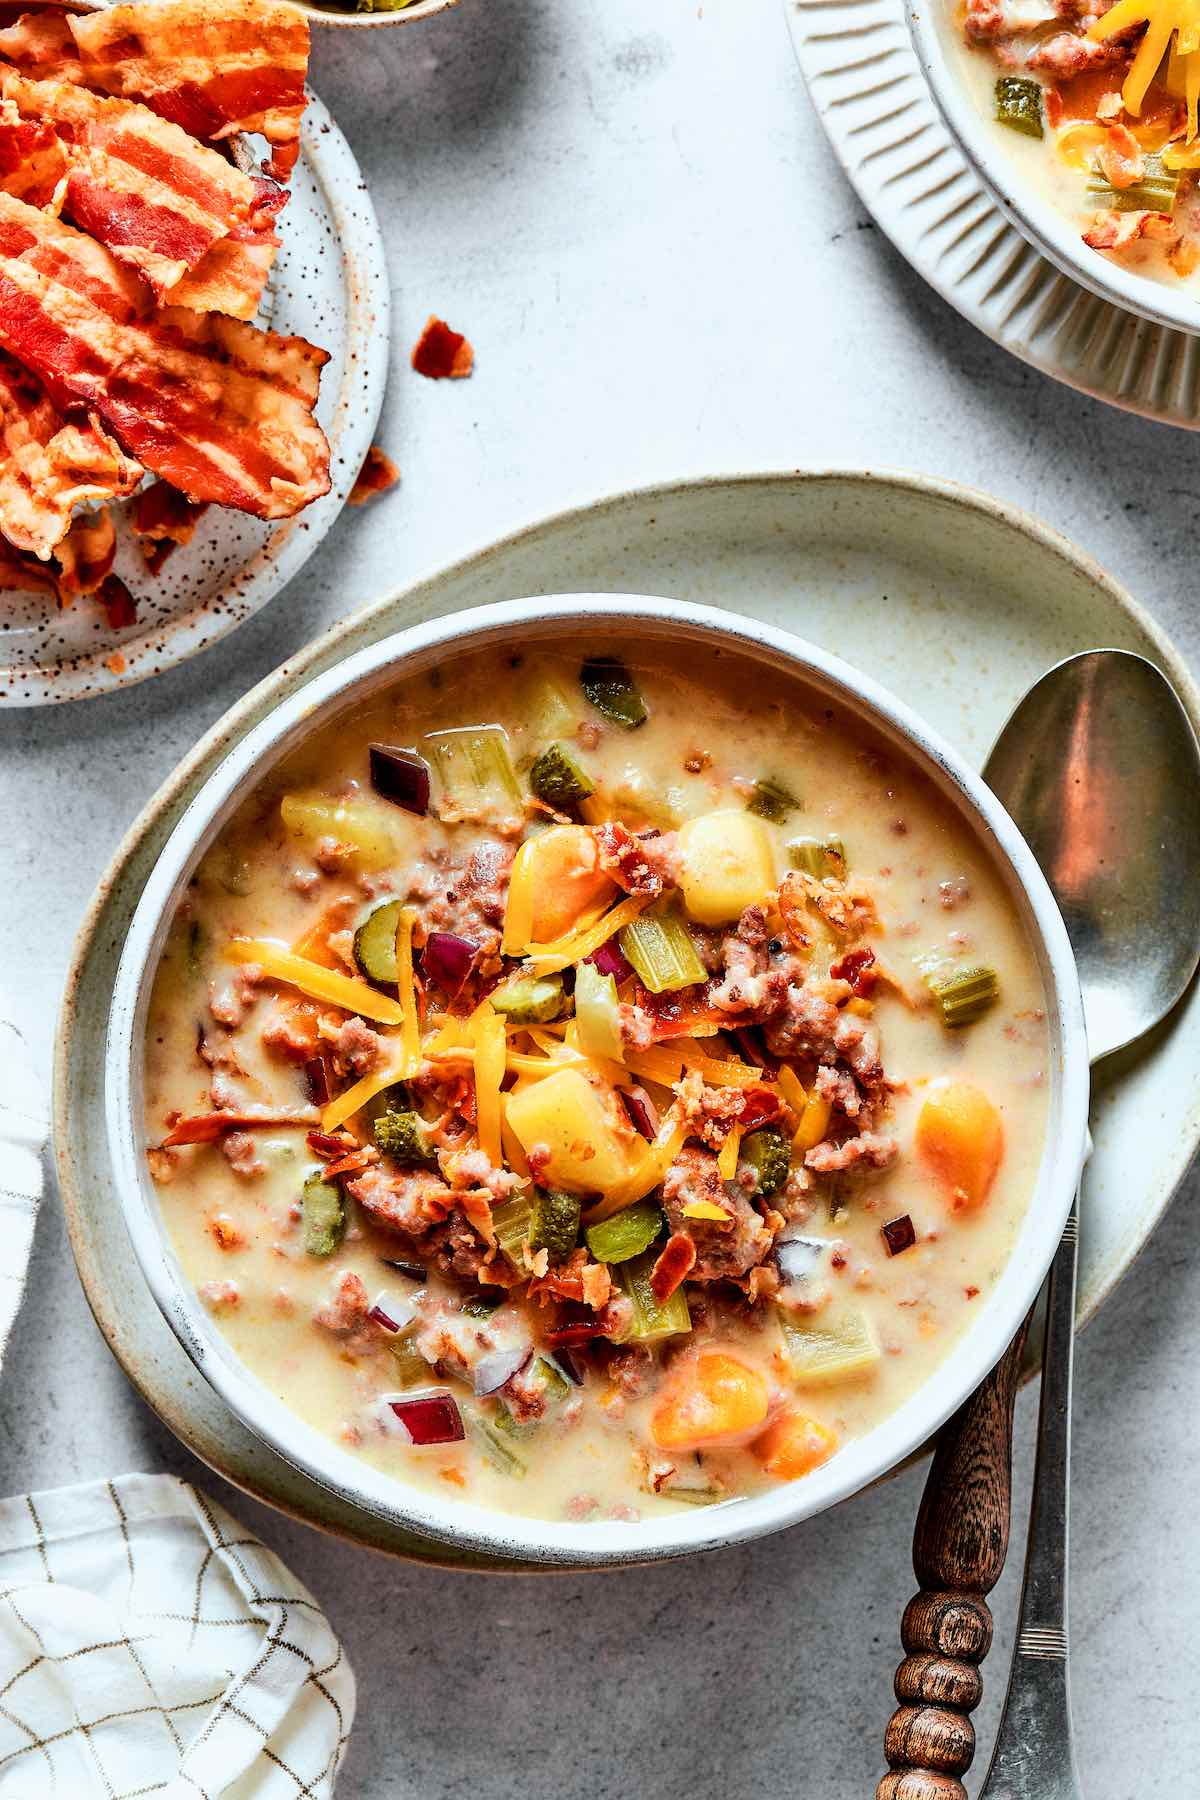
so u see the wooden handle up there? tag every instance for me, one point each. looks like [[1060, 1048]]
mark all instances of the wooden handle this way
[[959, 1547]]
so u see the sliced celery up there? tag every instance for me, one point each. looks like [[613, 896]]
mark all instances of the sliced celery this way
[[529, 999], [324, 1215], [559, 778], [818, 857], [500, 1454], [1019, 104], [401, 1136], [597, 1012], [836, 1344], [626, 1234], [611, 689], [512, 1223], [660, 949], [652, 1319], [769, 1154], [963, 995], [475, 771], [375, 944], [772, 801], [1157, 190], [554, 1222], [409, 1364]]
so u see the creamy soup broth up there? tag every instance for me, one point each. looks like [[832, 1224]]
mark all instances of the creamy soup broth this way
[[919, 893]]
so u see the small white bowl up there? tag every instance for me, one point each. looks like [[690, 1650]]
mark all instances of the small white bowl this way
[[934, 35], [406, 15], [576, 619]]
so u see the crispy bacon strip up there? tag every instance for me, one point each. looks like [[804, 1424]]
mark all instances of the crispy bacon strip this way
[[24, 574], [32, 159], [85, 556], [377, 475], [41, 44], [159, 200], [206, 1128], [213, 66], [231, 278], [162, 519], [219, 409], [48, 466]]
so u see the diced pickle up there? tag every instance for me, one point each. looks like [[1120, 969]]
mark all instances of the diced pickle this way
[[769, 1154], [409, 1365], [613, 692], [772, 801], [626, 1234], [835, 1344], [652, 1319], [661, 950], [819, 857], [558, 778], [401, 1136], [963, 995], [1019, 104], [324, 1215], [529, 999], [554, 1222], [375, 944]]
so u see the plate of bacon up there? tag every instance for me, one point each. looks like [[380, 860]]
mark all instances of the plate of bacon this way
[[193, 343]]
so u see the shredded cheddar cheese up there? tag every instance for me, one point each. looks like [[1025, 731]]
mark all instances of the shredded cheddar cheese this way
[[410, 1030], [549, 959], [651, 1170], [1172, 25], [491, 1048], [319, 984], [727, 1161]]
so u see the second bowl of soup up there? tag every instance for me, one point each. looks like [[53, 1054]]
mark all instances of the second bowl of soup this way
[[594, 1083]]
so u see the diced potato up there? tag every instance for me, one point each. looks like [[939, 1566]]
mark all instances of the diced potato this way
[[562, 867], [793, 1445], [359, 823], [835, 1344], [709, 1399], [592, 1145], [961, 1138], [728, 864]]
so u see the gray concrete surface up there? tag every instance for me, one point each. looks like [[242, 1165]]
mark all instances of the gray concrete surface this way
[[631, 210]]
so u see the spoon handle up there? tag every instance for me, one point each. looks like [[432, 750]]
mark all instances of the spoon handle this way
[[959, 1547], [1034, 1751]]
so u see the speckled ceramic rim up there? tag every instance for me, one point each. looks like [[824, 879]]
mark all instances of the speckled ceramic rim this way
[[408, 15], [1045, 227], [653, 621]]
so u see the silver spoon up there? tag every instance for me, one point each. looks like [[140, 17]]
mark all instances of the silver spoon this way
[[1100, 768]]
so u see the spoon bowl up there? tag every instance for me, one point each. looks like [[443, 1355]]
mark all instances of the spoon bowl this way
[[1100, 768]]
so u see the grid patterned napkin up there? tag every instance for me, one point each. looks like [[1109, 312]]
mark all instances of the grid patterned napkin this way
[[23, 1128], [150, 1646]]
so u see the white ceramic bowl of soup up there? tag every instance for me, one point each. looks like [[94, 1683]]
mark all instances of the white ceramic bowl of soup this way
[[1022, 196], [582, 621]]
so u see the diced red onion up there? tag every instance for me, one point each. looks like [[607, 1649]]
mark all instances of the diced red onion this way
[[430, 1418], [497, 1367], [749, 1042], [800, 1258], [446, 960], [642, 1114], [610, 960], [392, 1314], [379, 1317], [316, 1081], [899, 1234], [401, 776], [570, 1368]]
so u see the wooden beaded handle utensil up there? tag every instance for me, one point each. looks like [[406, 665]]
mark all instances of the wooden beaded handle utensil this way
[[959, 1547], [1100, 768]]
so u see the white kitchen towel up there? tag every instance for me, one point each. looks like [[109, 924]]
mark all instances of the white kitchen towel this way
[[24, 1123], [151, 1646]]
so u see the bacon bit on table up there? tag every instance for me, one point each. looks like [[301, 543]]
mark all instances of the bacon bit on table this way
[[377, 475], [858, 968], [898, 1234], [441, 353], [673, 1265]]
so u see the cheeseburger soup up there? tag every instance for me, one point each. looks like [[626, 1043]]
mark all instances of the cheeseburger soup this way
[[593, 1087]]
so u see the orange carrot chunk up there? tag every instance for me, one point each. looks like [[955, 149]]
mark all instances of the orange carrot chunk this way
[[793, 1445], [961, 1139], [712, 1398]]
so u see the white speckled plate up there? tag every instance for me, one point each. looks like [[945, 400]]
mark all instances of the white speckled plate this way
[[329, 285], [953, 601], [871, 95]]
